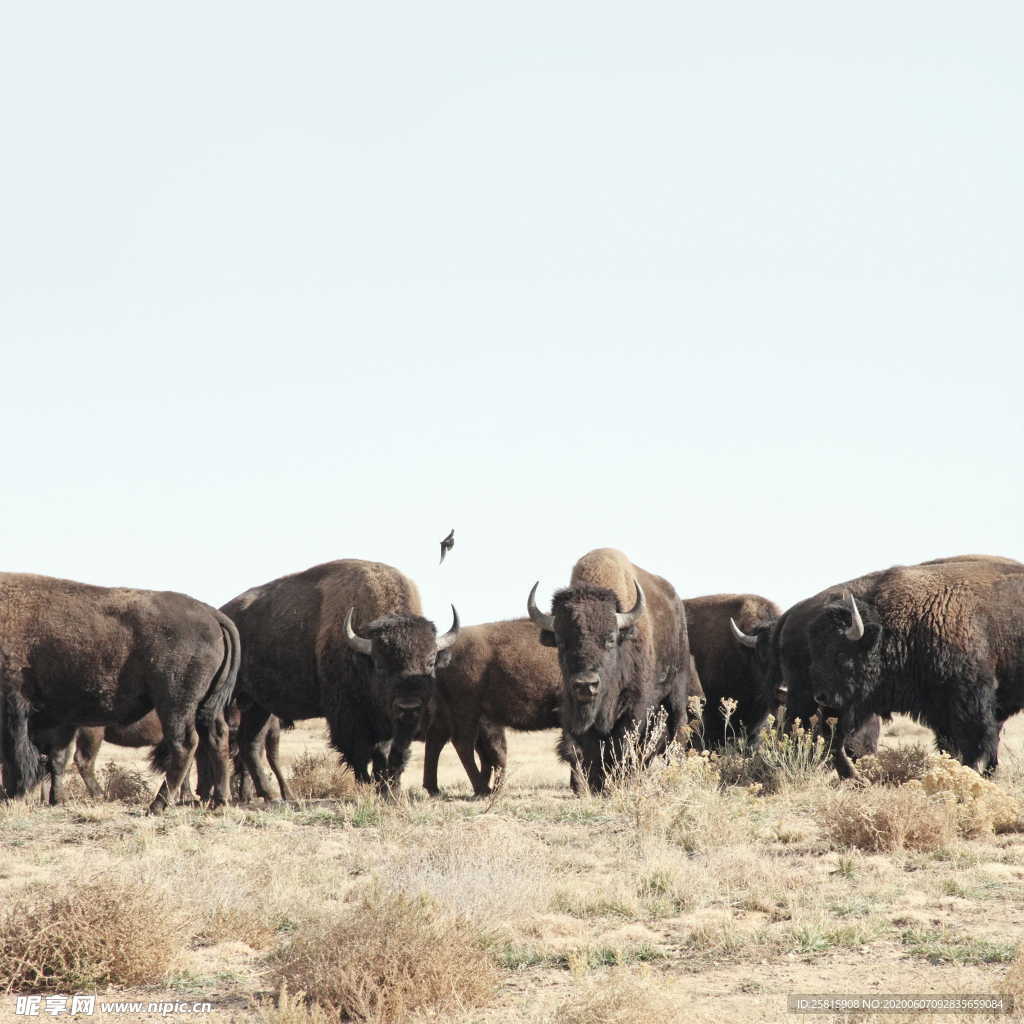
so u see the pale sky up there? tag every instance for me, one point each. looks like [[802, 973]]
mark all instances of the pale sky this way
[[734, 287]]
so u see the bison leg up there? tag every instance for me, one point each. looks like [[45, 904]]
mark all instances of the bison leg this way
[[87, 750], [492, 749], [251, 738], [379, 758], [464, 740], [213, 743], [272, 745], [438, 735], [398, 757], [58, 756], [173, 755]]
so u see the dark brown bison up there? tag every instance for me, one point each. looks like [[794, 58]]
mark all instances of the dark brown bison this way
[[344, 641], [498, 677], [623, 654], [722, 631], [73, 654], [756, 634], [942, 641]]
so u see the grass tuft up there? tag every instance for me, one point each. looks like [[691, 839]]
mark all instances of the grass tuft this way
[[385, 959], [98, 933]]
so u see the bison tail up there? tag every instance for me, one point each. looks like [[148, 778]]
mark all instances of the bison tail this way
[[19, 752], [160, 757], [223, 688]]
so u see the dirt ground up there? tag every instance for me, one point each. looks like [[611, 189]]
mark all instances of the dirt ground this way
[[752, 901]]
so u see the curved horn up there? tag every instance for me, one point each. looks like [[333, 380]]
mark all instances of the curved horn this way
[[444, 642], [626, 619], [856, 629], [742, 638], [355, 641], [544, 621]]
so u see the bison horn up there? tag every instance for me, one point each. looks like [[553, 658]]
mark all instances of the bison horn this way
[[856, 628], [742, 638], [544, 621], [626, 619], [444, 642], [355, 641]]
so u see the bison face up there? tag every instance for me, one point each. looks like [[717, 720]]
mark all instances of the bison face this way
[[845, 665], [592, 649], [405, 652]]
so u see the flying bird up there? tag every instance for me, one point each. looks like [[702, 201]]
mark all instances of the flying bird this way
[[447, 544]]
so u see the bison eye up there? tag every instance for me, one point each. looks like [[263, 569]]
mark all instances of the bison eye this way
[[609, 642]]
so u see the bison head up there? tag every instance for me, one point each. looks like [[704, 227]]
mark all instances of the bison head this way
[[404, 651], [844, 665], [589, 630], [757, 648]]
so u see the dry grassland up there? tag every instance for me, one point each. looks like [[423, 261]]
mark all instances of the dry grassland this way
[[672, 898]]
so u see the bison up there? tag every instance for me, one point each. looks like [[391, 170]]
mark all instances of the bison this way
[[345, 641], [723, 631], [623, 653], [759, 638], [942, 641], [72, 654], [498, 676]]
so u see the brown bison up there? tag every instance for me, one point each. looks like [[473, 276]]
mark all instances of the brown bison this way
[[498, 676], [623, 653], [942, 641], [73, 654], [722, 631], [345, 641]]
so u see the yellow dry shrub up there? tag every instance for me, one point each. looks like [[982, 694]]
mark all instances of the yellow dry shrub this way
[[980, 806], [888, 820], [321, 777]]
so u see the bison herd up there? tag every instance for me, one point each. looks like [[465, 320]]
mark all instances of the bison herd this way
[[346, 641]]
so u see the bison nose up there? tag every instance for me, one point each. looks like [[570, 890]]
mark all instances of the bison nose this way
[[584, 685]]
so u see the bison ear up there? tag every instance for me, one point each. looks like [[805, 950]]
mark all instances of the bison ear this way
[[872, 635], [443, 659], [547, 638]]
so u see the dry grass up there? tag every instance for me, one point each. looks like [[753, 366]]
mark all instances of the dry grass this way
[[888, 820], [124, 784], [477, 870], [98, 933], [674, 880], [321, 777], [387, 958], [893, 766], [921, 801], [291, 1009], [620, 997]]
